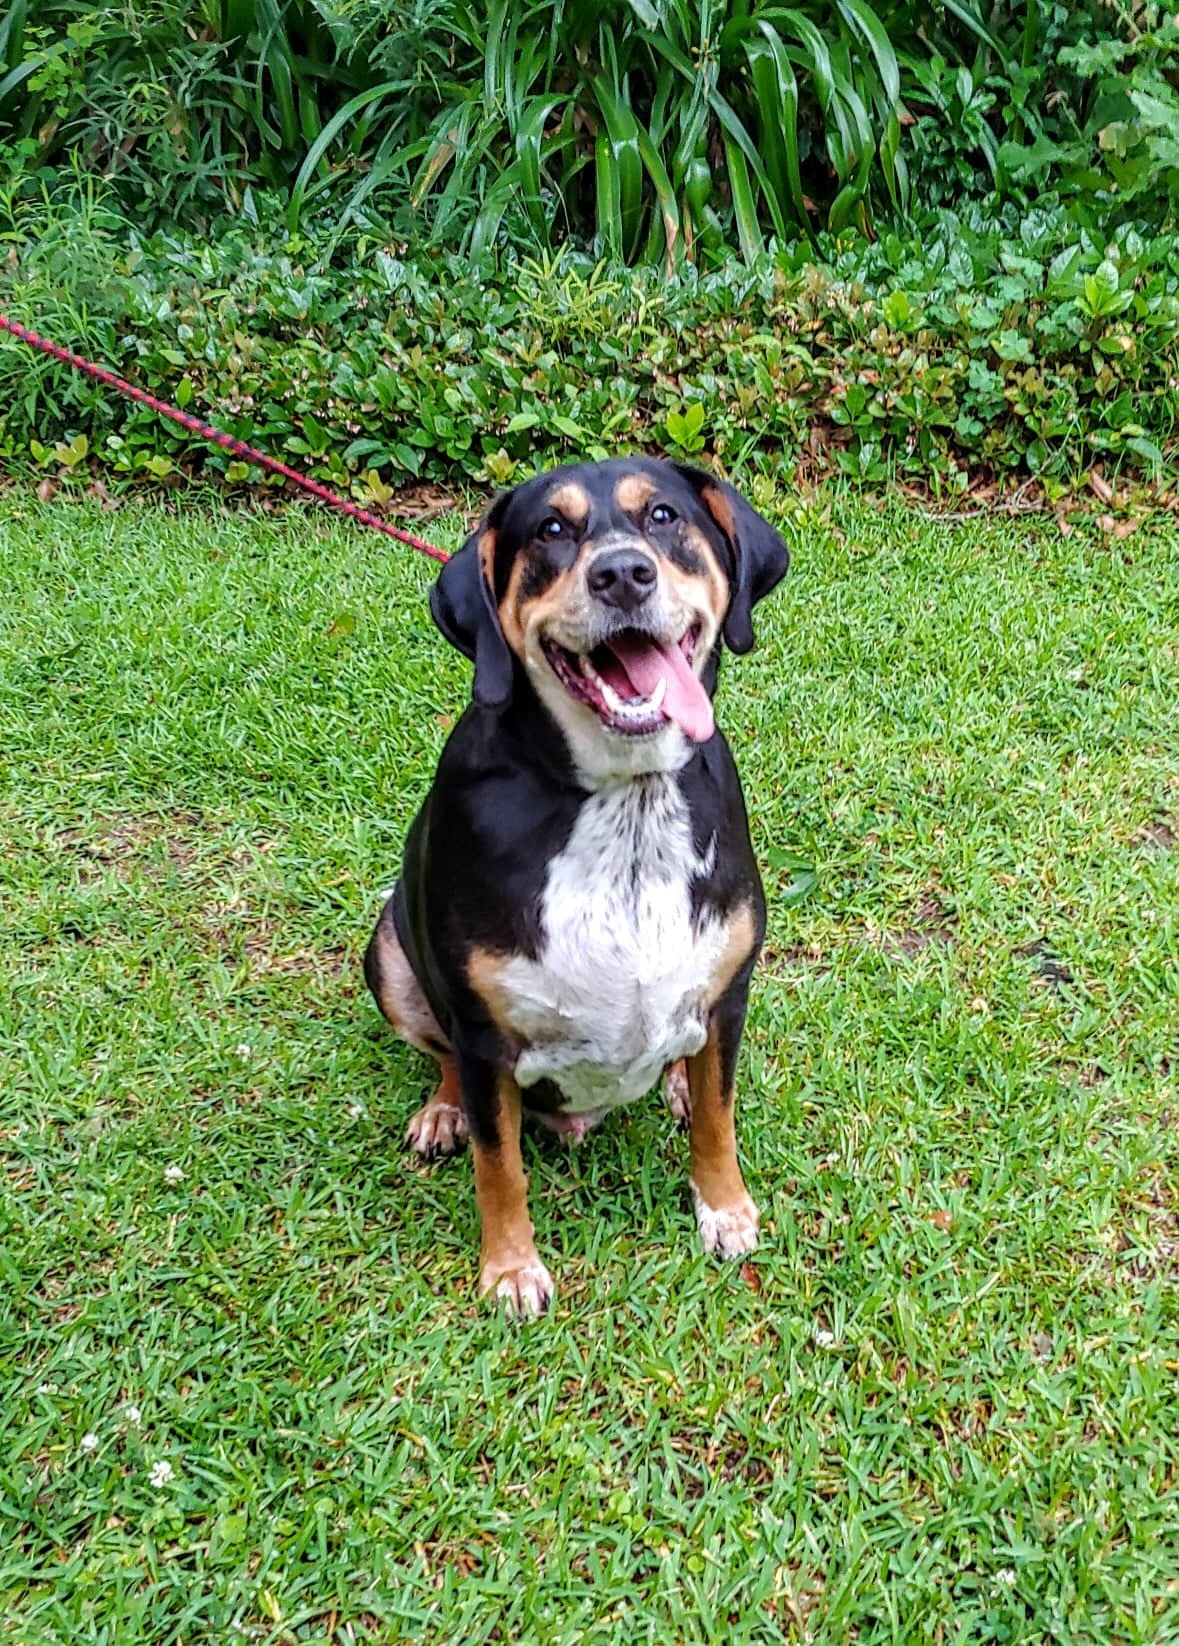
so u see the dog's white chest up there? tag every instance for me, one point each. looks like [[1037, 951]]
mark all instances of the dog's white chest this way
[[618, 989]]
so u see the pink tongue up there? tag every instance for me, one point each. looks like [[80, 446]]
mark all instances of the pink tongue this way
[[686, 702]]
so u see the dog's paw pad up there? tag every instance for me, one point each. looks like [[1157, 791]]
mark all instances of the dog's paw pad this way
[[437, 1129], [677, 1095], [526, 1292], [729, 1231]]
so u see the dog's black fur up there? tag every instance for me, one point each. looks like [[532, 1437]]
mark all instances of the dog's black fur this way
[[510, 785]]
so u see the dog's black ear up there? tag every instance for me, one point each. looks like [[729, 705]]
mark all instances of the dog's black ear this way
[[760, 557], [462, 603]]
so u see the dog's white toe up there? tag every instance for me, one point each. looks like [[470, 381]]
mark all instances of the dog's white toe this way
[[729, 1231], [437, 1129], [526, 1292]]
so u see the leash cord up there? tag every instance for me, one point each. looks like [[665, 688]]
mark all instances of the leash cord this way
[[228, 442]]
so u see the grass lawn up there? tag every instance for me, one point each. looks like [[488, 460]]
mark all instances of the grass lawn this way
[[246, 1392]]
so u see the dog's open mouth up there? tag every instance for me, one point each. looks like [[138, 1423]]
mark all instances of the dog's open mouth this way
[[636, 684]]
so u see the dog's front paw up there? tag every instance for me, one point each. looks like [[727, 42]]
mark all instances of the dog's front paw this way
[[729, 1231], [437, 1129], [676, 1093], [525, 1289]]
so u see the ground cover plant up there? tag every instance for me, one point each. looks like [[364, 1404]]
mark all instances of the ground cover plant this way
[[994, 346], [244, 1390]]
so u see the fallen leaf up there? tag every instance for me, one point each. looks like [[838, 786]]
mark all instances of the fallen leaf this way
[[1100, 486], [942, 1219], [751, 1277], [46, 489]]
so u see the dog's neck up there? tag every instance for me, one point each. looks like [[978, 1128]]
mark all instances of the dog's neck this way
[[591, 762]]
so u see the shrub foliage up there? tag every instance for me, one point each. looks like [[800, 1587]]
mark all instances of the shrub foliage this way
[[642, 129], [989, 346]]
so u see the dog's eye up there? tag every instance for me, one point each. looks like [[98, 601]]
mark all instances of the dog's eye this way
[[550, 528], [662, 514]]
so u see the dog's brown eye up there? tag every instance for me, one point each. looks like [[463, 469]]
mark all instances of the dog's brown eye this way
[[662, 514], [550, 528]]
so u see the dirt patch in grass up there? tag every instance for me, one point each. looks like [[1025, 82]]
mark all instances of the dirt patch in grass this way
[[1158, 1253], [267, 958], [1051, 971], [777, 958], [132, 844], [1161, 835], [929, 922]]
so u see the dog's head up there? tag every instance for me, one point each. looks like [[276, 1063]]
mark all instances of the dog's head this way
[[610, 586]]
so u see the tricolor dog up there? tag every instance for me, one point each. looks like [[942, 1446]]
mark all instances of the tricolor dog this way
[[579, 909]]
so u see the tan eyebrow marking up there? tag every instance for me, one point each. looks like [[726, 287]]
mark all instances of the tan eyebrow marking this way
[[633, 490], [572, 501]]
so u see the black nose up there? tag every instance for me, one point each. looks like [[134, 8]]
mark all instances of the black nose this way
[[622, 578]]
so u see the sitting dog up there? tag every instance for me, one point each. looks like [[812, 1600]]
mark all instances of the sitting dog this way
[[579, 908]]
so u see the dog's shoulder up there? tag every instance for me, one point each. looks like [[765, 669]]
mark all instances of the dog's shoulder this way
[[477, 855]]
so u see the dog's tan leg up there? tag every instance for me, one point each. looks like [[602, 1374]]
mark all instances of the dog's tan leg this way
[[398, 992], [725, 1214], [510, 1266], [439, 1127]]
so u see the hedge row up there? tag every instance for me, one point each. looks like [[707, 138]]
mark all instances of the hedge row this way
[[1023, 348]]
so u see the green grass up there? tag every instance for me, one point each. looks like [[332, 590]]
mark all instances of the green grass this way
[[938, 1405]]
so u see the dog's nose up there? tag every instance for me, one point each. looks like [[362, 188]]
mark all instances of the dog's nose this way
[[622, 578]]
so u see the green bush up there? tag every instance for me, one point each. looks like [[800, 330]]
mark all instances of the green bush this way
[[1115, 147], [645, 130], [987, 345]]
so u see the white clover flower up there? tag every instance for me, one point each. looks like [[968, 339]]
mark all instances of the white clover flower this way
[[173, 1173], [1005, 1579], [132, 1414], [244, 1051], [90, 1443], [161, 1473], [823, 1338], [356, 1110]]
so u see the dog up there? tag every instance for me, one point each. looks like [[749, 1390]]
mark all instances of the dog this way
[[579, 909]]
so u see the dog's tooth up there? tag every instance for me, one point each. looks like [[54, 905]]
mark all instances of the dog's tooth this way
[[613, 702], [655, 701]]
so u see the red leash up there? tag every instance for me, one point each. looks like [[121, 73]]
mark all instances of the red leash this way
[[239, 448]]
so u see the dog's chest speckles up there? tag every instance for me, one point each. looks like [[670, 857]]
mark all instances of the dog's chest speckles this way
[[619, 986]]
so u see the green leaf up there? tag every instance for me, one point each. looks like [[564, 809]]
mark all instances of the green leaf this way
[[896, 308], [354, 106], [1145, 448], [1012, 345], [801, 876], [744, 206], [864, 20], [622, 135]]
